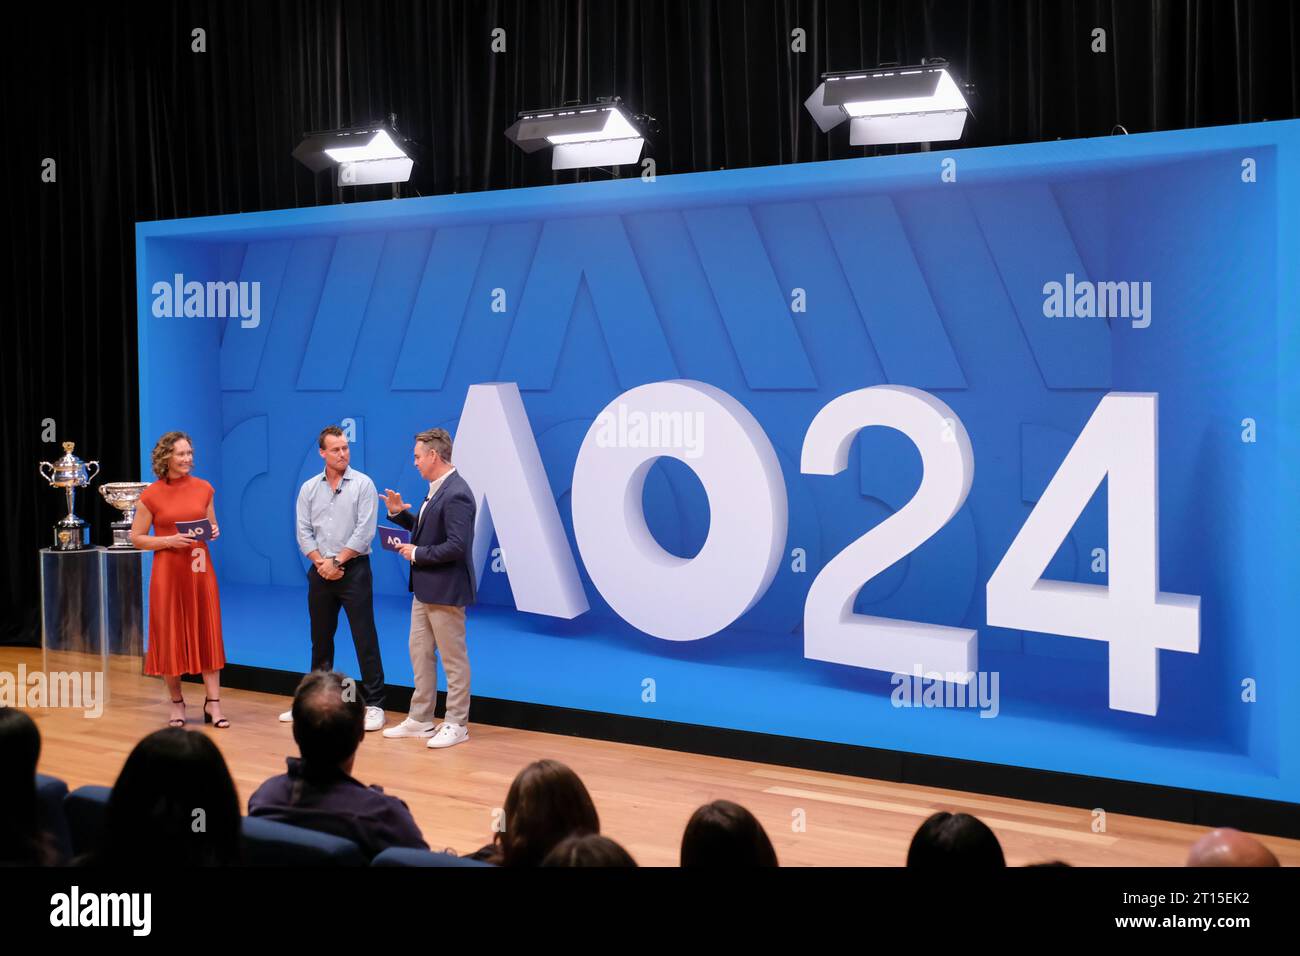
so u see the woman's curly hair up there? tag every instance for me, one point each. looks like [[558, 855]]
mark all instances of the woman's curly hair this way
[[162, 452]]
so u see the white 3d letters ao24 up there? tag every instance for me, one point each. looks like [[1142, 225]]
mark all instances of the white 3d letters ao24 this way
[[684, 599]]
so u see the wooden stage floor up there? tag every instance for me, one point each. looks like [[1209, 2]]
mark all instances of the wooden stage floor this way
[[644, 795]]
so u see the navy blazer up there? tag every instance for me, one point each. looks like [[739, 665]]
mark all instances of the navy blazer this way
[[444, 544]]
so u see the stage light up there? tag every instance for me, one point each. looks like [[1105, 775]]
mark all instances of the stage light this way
[[913, 104], [598, 134], [364, 155]]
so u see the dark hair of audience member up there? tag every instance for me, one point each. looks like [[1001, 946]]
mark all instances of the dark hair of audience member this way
[[955, 840], [723, 833], [174, 804], [546, 803], [327, 723], [22, 841], [588, 849]]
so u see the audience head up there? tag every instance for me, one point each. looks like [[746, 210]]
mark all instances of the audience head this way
[[546, 803], [723, 833], [154, 810], [955, 840], [1229, 847], [21, 838], [329, 722], [588, 849]]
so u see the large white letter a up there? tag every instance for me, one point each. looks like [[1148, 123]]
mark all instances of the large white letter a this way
[[496, 453]]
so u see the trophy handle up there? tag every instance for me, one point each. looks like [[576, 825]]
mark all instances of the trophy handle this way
[[41, 468], [91, 477]]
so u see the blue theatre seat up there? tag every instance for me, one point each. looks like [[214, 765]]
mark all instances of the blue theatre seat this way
[[50, 794], [271, 843], [266, 842], [86, 809], [405, 856]]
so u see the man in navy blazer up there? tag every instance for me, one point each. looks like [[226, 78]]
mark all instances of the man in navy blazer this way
[[442, 584]]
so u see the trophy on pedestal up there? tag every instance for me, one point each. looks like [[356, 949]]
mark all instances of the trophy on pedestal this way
[[70, 473], [123, 496]]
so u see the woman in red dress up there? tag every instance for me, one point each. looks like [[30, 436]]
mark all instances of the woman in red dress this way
[[184, 606]]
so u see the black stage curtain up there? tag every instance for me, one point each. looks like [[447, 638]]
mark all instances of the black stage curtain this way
[[141, 127]]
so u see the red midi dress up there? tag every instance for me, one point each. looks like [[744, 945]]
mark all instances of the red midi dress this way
[[184, 605]]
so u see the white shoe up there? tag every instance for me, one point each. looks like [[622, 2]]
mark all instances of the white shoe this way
[[374, 718], [448, 735], [286, 717], [410, 728]]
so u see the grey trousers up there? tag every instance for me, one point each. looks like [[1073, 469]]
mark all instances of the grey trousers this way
[[439, 628]]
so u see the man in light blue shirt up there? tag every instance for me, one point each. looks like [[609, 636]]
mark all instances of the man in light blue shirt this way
[[336, 516]]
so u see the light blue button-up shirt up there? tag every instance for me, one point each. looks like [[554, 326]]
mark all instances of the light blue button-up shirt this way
[[329, 522]]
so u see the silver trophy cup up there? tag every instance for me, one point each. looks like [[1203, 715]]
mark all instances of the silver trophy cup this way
[[123, 496], [70, 473]]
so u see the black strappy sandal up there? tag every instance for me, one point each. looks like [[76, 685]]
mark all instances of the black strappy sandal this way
[[177, 721], [223, 723]]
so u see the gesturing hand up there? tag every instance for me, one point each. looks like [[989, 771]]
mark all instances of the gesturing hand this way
[[393, 499]]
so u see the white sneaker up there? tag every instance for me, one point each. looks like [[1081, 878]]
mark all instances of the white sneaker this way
[[410, 728], [448, 735], [374, 718], [286, 717]]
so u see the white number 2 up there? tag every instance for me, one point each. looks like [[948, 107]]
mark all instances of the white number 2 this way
[[1133, 615], [832, 632]]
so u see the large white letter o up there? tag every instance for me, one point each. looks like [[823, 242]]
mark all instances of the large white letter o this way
[[679, 599]]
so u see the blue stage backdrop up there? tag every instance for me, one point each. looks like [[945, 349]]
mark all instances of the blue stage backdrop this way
[[973, 279]]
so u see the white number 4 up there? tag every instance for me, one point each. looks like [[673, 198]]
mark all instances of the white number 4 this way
[[1132, 614]]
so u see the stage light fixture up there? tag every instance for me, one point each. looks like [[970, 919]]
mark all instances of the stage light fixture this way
[[604, 133], [364, 155], [911, 104]]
